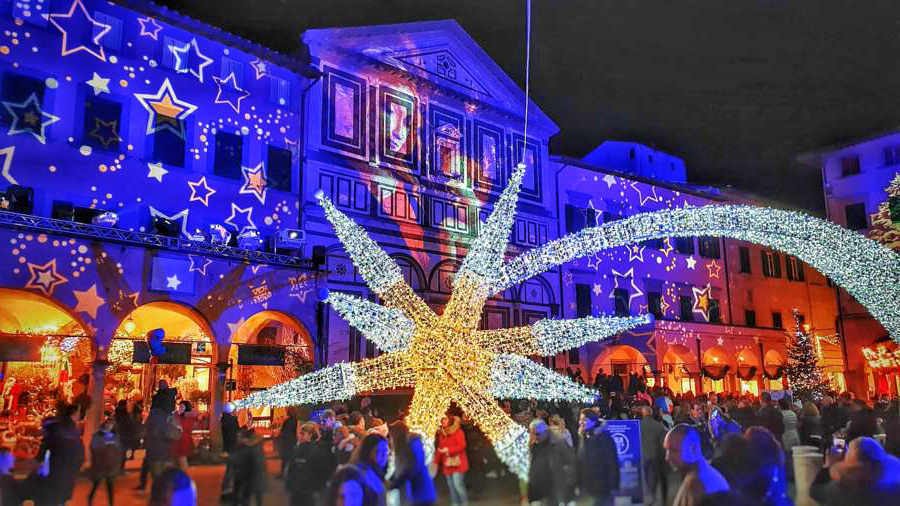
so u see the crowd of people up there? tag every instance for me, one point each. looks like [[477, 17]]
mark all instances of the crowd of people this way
[[726, 449]]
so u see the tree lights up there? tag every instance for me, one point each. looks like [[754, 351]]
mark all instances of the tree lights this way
[[804, 374], [447, 359]]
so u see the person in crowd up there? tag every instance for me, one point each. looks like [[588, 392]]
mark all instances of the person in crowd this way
[[834, 418], [63, 451], [790, 437], [478, 452], [450, 456], [328, 426], [173, 488], [558, 426], [230, 429], [769, 416], [753, 465], [347, 488], [652, 454], [126, 429], [12, 491], [345, 444], [410, 469], [371, 457], [306, 471], [683, 445], [163, 430], [598, 459], [287, 440], [744, 415], [248, 463], [863, 422], [892, 428], [183, 447], [865, 476], [164, 398], [810, 425], [107, 455], [552, 466], [664, 407]]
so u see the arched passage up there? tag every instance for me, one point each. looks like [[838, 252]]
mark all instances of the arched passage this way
[[679, 369], [45, 354], [187, 364], [715, 368], [619, 360], [748, 371], [272, 337], [773, 370]]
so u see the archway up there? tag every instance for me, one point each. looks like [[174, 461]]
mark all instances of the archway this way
[[619, 360], [714, 369], [679, 369], [748, 370], [45, 355], [188, 362], [773, 370], [270, 348]]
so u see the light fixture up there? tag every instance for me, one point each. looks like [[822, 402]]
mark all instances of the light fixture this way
[[21, 199], [129, 326], [106, 219], [290, 238], [219, 234], [249, 239], [198, 235], [165, 227]]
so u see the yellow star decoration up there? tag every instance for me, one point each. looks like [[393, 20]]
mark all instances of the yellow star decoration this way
[[445, 358]]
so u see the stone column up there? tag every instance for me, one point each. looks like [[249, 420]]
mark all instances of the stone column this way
[[217, 399]]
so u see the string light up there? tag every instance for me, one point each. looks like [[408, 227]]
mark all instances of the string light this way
[[386, 327]]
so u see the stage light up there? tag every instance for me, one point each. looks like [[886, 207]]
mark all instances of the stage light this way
[[250, 240], [21, 199], [106, 219], [165, 227], [63, 211], [219, 234], [290, 238], [198, 235]]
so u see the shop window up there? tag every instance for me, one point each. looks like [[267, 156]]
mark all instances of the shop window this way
[[583, 300], [18, 88], [709, 247], [684, 245], [621, 298], [228, 155], [744, 254], [279, 171], [101, 123]]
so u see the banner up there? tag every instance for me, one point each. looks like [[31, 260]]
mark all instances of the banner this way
[[258, 354], [627, 436]]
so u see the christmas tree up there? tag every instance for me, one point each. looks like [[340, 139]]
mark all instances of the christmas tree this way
[[886, 222], [806, 377]]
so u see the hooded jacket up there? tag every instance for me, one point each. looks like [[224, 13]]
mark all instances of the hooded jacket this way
[[453, 439]]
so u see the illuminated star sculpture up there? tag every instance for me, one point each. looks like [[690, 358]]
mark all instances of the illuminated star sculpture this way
[[445, 357]]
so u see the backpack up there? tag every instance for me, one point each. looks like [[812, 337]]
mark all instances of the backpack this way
[[173, 430]]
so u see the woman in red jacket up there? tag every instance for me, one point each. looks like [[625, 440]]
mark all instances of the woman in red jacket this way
[[451, 457], [184, 447]]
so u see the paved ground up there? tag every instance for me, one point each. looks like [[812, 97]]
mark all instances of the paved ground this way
[[497, 492]]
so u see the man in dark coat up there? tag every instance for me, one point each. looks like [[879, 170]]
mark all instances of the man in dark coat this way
[[550, 476], [598, 459], [62, 441], [770, 417], [834, 418], [287, 440], [230, 428], [652, 454]]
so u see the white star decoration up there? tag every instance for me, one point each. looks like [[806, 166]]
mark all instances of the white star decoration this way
[[236, 94], [246, 213], [88, 301], [202, 269], [720, 341], [44, 277], [649, 198], [691, 262], [626, 275], [598, 289], [610, 180], [178, 217], [702, 297], [7, 154], [255, 182], [636, 252], [165, 110], [714, 269], [173, 282], [99, 84], [156, 171], [153, 33], [32, 119], [75, 19], [203, 197], [183, 58]]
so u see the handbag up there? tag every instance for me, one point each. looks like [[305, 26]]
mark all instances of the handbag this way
[[452, 461]]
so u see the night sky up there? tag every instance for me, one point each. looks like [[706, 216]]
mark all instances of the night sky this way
[[737, 88]]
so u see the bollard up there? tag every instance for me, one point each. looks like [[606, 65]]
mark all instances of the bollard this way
[[806, 466]]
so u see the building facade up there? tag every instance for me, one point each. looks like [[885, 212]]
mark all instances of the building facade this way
[[862, 192]]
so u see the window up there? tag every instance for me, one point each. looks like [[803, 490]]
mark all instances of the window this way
[[687, 308], [892, 155], [709, 247], [631, 154], [776, 321], [18, 89], [610, 217], [168, 147], [113, 38], [793, 268], [715, 312], [849, 166], [101, 123], [856, 216], [583, 300], [280, 91], [771, 264], [235, 67], [654, 304], [684, 245], [749, 317], [574, 356], [228, 155], [280, 165], [574, 219], [168, 59], [621, 298], [653, 243], [744, 253]]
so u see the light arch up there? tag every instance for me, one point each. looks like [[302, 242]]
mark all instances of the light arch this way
[[619, 354], [179, 321]]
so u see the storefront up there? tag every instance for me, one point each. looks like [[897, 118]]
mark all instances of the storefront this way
[[747, 374], [679, 370], [773, 371], [883, 367], [714, 369]]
